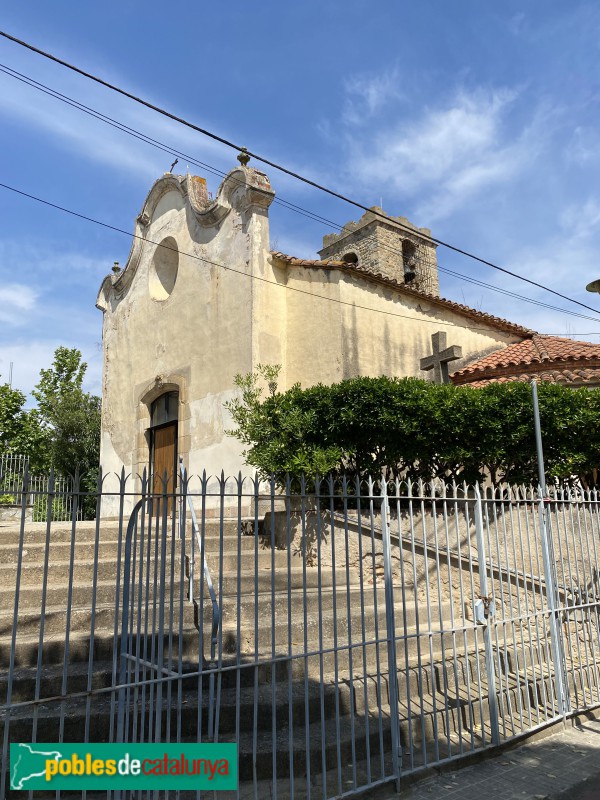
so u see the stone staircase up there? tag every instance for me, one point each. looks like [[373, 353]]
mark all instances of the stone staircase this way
[[303, 679]]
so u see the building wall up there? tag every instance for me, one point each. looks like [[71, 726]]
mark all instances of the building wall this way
[[320, 325], [374, 330], [384, 247], [196, 339]]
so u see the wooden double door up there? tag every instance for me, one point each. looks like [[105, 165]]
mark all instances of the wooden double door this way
[[164, 463]]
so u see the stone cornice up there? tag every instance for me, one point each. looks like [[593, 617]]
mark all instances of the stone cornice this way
[[243, 189]]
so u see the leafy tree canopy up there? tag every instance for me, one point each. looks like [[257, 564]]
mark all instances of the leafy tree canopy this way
[[63, 432], [414, 429]]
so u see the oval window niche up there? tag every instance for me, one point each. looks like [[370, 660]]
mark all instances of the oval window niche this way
[[163, 269]]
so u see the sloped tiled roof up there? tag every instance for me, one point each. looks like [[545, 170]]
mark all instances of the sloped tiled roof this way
[[379, 277], [548, 358]]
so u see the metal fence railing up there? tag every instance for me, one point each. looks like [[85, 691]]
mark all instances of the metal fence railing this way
[[368, 631], [14, 468]]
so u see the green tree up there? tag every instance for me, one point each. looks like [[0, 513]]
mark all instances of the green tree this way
[[409, 428], [70, 416], [11, 417], [21, 431], [64, 376]]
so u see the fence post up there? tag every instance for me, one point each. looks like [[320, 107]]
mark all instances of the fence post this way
[[391, 633], [487, 641], [561, 688]]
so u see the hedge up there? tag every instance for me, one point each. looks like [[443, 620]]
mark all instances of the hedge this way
[[410, 428]]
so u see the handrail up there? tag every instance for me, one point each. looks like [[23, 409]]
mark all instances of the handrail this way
[[216, 611]]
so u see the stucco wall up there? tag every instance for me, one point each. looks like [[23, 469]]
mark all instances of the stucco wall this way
[[321, 325], [193, 341], [372, 331]]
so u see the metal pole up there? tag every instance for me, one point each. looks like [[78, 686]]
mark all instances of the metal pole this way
[[391, 633], [538, 439], [549, 565], [487, 641]]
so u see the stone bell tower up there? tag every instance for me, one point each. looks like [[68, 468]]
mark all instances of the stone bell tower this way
[[396, 248]]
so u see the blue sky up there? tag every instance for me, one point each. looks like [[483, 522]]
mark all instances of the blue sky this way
[[479, 120]]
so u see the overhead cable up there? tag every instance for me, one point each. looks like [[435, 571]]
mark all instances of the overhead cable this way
[[118, 125], [279, 167]]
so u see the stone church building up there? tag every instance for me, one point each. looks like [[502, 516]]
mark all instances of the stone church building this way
[[202, 298]]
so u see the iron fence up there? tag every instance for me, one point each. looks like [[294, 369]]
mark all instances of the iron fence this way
[[13, 470], [364, 631]]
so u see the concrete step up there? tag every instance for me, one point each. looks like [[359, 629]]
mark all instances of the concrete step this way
[[320, 633], [235, 548], [35, 532], [85, 569], [80, 620], [327, 736]]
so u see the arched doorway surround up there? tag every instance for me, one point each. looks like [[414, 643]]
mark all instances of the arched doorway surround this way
[[164, 422], [174, 384]]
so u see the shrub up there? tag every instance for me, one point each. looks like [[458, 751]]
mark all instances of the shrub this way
[[410, 428]]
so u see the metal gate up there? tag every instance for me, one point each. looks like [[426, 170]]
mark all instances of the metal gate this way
[[343, 634], [506, 637], [369, 631], [163, 651]]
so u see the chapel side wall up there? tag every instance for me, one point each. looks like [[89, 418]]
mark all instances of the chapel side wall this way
[[331, 341], [392, 338], [191, 341], [269, 301], [314, 331]]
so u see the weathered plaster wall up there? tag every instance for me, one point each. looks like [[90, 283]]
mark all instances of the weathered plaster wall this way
[[329, 341], [197, 338], [321, 325]]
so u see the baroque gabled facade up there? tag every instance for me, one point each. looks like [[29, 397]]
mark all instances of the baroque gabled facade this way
[[202, 298]]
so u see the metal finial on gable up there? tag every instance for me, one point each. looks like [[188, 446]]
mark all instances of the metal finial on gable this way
[[243, 157]]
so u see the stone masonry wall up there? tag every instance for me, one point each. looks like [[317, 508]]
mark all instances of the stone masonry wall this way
[[382, 247]]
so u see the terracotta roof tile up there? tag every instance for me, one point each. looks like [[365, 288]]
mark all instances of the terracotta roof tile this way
[[380, 277], [577, 377], [548, 358]]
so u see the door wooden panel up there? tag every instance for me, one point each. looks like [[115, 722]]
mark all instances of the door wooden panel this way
[[165, 460]]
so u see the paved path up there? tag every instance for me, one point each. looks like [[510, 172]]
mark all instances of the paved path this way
[[563, 766]]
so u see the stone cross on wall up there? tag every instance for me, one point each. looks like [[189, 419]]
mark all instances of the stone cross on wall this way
[[438, 362]]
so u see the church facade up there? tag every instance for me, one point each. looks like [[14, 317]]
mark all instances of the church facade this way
[[203, 298]]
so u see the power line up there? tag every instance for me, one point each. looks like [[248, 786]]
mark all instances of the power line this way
[[279, 200], [241, 272], [281, 168]]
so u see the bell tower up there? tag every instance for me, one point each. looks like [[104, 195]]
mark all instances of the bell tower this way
[[395, 248]]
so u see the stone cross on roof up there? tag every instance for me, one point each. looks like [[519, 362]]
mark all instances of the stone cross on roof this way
[[438, 362]]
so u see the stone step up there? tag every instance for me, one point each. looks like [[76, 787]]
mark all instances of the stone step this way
[[414, 677], [333, 735], [35, 532], [85, 569], [249, 547], [80, 620]]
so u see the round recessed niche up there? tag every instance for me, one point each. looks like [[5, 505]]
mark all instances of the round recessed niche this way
[[163, 269]]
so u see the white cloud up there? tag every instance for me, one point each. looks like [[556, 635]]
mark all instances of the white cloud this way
[[565, 262], [28, 358], [516, 23], [368, 95], [52, 260], [583, 147], [449, 153], [16, 300], [581, 221], [76, 130]]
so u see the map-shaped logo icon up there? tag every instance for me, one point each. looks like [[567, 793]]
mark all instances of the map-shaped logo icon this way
[[29, 763]]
